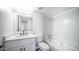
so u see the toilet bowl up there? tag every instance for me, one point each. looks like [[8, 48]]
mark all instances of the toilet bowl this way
[[43, 46]]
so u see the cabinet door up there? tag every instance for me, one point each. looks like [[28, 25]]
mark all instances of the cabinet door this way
[[29, 47], [20, 42]]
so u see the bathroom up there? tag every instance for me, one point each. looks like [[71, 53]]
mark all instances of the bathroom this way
[[42, 29]]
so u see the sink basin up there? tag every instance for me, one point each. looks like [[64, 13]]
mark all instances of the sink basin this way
[[17, 37]]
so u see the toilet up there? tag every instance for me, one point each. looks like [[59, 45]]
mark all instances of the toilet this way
[[42, 46]]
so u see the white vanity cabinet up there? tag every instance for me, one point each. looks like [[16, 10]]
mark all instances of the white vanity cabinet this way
[[25, 44]]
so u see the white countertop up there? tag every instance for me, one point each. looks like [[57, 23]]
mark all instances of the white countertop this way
[[18, 37]]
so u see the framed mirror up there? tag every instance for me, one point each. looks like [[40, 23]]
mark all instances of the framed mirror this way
[[25, 23]]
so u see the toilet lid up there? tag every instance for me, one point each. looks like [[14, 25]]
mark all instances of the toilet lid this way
[[43, 45]]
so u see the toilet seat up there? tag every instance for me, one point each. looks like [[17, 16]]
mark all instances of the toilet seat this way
[[43, 46]]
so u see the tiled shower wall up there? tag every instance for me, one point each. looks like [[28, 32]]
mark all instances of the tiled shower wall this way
[[65, 30]]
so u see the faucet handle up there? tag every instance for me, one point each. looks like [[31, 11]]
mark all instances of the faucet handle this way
[[20, 33], [23, 32], [26, 33]]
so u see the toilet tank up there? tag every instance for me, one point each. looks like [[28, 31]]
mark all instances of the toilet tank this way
[[39, 39]]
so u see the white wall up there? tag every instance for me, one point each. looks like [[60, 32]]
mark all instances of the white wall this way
[[37, 23], [66, 31], [6, 22]]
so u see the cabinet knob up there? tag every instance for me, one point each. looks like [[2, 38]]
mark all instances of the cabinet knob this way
[[1, 46], [20, 49], [24, 49]]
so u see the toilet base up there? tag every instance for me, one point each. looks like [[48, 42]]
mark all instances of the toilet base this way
[[38, 49]]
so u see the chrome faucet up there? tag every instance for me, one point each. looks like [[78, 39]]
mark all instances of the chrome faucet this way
[[23, 32]]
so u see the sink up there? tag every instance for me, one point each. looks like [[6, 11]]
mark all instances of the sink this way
[[17, 37]]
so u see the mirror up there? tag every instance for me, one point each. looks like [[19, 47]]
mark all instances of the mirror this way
[[24, 23]]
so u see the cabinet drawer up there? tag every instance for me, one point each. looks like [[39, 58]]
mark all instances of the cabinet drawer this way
[[20, 42]]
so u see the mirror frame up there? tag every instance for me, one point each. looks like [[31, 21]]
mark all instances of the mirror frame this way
[[18, 20]]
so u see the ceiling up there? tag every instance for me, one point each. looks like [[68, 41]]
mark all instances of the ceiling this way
[[52, 11]]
